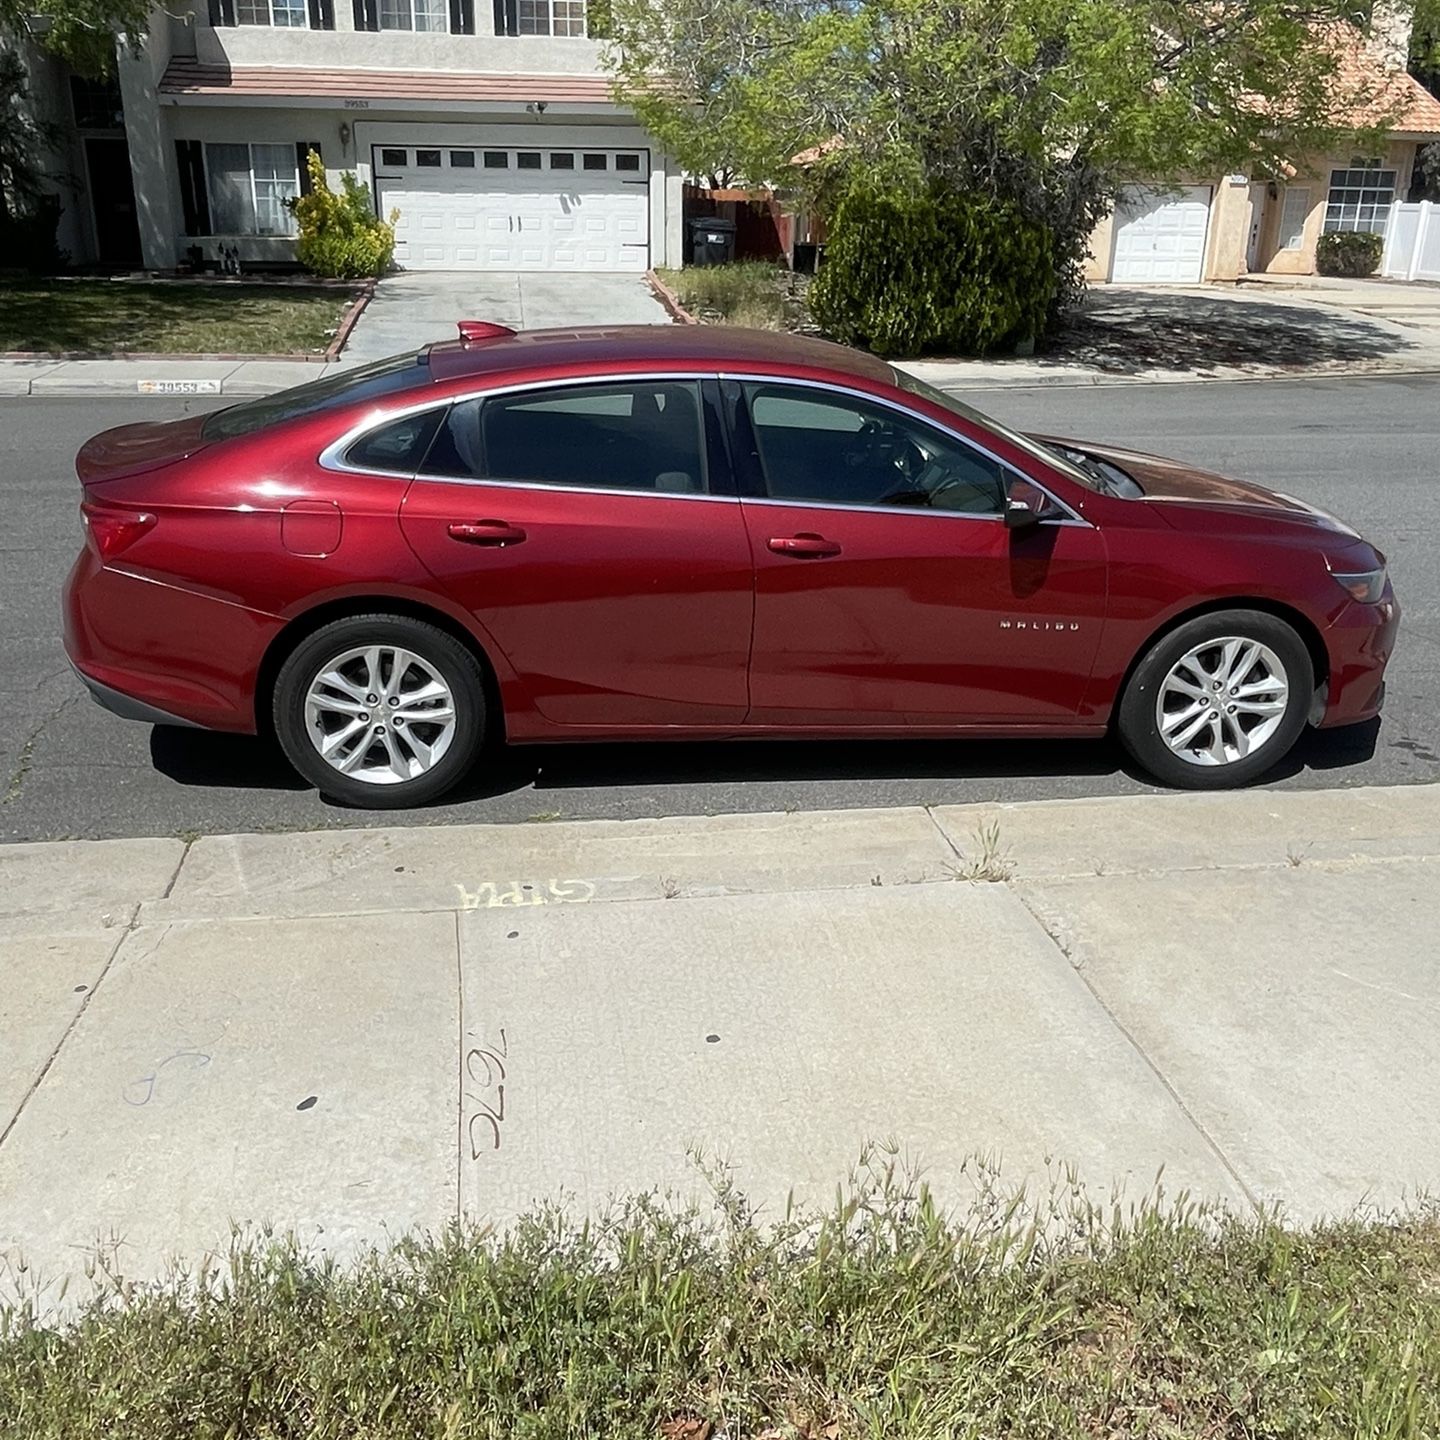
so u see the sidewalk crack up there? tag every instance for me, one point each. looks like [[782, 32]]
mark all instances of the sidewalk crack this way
[[129, 929], [1132, 1040]]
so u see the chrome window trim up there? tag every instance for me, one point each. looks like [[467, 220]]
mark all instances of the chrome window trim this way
[[332, 456]]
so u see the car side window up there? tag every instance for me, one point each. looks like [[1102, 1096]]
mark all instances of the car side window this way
[[836, 449], [397, 447], [643, 435]]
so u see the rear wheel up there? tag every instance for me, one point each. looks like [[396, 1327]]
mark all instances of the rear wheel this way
[[380, 711], [1219, 701]]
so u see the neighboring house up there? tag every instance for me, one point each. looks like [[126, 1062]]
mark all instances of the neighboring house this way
[[84, 161], [1181, 232], [488, 124]]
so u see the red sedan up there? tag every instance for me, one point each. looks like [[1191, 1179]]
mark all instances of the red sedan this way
[[696, 532]]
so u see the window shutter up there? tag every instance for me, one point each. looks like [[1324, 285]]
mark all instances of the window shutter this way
[[462, 17], [194, 202], [322, 14], [367, 14], [222, 12], [507, 17], [303, 150]]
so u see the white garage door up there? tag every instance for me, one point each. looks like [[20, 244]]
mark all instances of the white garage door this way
[[467, 208], [1160, 235]]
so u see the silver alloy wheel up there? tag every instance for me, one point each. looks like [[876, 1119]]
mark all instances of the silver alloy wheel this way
[[1222, 701], [380, 713]]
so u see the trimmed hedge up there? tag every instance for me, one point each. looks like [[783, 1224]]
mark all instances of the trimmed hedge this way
[[940, 271], [1343, 252]]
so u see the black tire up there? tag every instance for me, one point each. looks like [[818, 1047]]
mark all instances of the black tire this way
[[1138, 725], [452, 662]]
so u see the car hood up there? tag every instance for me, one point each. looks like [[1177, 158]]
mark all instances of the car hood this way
[[1168, 483], [129, 449]]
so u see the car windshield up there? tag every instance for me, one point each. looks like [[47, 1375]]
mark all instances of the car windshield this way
[[346, 387], [1071, 463]]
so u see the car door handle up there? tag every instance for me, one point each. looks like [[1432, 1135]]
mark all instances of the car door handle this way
[[485, 532], [805, 546]]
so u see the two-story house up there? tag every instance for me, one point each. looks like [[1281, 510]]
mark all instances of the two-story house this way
[[488, 124]]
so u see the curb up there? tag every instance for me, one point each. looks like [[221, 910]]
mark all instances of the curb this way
[[349, 319], [668, 298]]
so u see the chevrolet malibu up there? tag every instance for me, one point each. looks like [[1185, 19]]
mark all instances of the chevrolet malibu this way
[[695, 532]]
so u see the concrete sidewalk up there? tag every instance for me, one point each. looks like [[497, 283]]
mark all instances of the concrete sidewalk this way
[[353, 1034]]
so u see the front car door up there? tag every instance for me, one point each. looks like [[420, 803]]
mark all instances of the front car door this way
[[889, 592], [592, 531]]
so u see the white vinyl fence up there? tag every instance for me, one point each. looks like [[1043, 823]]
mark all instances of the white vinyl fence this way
[[1412, 243]]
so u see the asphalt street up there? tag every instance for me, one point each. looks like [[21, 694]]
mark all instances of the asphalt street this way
[[1367, 449]]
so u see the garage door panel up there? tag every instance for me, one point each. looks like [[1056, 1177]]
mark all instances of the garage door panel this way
[[1160, 236], [593, 216]]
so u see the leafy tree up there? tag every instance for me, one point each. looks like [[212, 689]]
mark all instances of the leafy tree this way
[[83, 33], [1051, 105]]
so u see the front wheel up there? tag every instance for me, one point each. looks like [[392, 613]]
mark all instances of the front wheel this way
[[380, 711], [1218, 701]]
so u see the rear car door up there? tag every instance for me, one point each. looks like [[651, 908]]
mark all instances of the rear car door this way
[[889, 591], [592, 530]]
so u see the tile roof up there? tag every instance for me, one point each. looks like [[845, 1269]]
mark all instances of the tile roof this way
[[1383, 94], [192, 77]]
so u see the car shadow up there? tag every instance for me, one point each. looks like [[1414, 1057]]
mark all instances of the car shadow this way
[[213, 760], [208, 759]]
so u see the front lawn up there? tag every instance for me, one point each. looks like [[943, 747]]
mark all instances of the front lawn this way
[[887, 1321], [122, 316]]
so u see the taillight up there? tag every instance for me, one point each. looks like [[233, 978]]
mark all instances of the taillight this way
[[112, 531]]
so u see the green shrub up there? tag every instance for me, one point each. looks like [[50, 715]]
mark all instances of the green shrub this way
[[910, 273], [1345, 253], [340, 235]]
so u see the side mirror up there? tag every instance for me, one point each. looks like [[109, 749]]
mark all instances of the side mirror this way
[[1025, 504]]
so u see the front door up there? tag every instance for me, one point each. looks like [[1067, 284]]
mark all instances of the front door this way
[[112, 199], [1259, 194], [889, 592], [587, 529]]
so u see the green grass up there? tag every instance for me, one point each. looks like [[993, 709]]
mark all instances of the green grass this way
[[883, 1319], [105, 316], [749, 292]]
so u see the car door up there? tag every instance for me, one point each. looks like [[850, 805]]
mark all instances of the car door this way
[[889, 591], [593, 532]]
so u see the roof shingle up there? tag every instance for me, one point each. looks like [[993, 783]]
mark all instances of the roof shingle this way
[[195, 78]]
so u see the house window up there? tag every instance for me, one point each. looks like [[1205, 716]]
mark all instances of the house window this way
[[287, 14], [552, 17], [428, 158], [596, 162], [414, 15], [97, 104], [1360, 198], [462, 159], [249, 185], [562, 160], [527, 160], [393, 157], [1292, 217], [497, 159], [627, 162]]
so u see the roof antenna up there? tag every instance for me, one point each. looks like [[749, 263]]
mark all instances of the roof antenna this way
[[474, 331]]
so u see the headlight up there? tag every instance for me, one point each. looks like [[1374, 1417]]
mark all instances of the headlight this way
[[1366, 586]]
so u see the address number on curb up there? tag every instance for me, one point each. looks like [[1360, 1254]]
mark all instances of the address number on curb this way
[[178, 387]]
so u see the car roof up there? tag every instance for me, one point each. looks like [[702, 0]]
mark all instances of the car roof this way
[[625, 346]]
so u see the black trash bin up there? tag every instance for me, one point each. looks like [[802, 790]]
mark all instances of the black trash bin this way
[[712, 240]]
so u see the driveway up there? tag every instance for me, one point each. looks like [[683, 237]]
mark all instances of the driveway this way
[[412, 309]]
